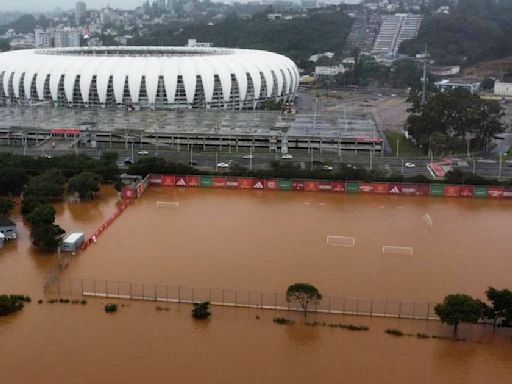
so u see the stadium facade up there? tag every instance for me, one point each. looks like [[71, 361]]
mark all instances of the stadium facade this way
[[147, 77]]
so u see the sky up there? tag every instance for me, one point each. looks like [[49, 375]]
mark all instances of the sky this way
[[48, 5]]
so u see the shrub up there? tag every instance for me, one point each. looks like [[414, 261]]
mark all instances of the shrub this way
[[394, 332], [283, 321], [111, 308], [12, 303], [201, 311]]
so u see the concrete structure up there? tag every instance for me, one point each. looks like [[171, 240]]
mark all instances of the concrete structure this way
[[58, 37], [472, 85], [80, 11], [72, 242], [394, 30], [329, 70], [147, 77], [503, 89], [7, 228]]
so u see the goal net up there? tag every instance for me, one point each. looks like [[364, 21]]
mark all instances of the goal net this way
[[168, 204], [341, 241], [392, 250]]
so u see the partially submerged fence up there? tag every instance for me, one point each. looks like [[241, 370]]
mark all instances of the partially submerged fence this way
[[240, 298], [334, 186]]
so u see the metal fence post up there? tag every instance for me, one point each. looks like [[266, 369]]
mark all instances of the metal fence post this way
[[94, 287], [428, 311], [143, 292], [106, 288], [130, 290], [275, 301], [179, 294], [192, 294], [329, 309], [166, 293], [210, 295], [385, 308], [82, 286], [156, 294], [236, 298], [118, 290], [414, 310], [343, 310], [357, 306], [261, 300], [400, 309], [371, 308]]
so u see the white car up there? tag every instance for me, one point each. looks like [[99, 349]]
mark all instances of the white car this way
[[287, 156], [248, 157], [410, 165], [143, 153], [223, 165], [327, 168]]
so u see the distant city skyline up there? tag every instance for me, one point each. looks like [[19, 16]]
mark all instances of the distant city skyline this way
[[50, 5]]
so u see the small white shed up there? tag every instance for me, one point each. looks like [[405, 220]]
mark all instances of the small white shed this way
[[72, 242]]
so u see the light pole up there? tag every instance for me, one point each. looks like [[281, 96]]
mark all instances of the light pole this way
[[216, 160], [402, 167], [499, 168], [250, 158], [371, 159], [397, 147], [132, 152]]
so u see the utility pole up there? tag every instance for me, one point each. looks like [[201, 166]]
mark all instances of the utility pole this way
[[424, 79]]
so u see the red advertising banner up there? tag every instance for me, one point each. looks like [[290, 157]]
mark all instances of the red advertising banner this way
[[466, 191], [219, 182], [495, 192], [193, 181], [452, 190], [422, 189], [325, 186], [155, 179], [272, 184], [507, 193], [168, 180], [297, 185], [394, 189], [366, 187], [232, 182], [258, 184], [408, 189], [181, 181], [381, 188], [245, 183], [311, 186], [338, 186]]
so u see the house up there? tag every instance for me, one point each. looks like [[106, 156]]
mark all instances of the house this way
[[472, 85], [7, 228]]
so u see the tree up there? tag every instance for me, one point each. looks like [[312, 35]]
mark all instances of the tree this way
[[85, 184], [305, 294], [6, 206], [43, 214], [12, 180], [455, 114], [500, 310], [49, 185], [47, 236], [459, 308]]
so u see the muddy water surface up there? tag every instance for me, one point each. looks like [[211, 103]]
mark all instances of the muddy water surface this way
[[261, 241]]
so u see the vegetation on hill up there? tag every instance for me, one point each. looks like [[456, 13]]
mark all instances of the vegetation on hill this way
[[474, 31], [299, 38]]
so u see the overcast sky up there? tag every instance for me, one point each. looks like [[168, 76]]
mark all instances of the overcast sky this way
[[48, 5]]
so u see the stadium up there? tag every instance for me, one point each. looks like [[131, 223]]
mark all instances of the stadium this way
[[147, 77]]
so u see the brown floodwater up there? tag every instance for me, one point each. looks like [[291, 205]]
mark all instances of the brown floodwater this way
[[261, 241]]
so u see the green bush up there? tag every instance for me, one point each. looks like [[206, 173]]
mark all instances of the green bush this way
[[12, 303], [394, 332], [111, 308], [201, 311], [283, 321]]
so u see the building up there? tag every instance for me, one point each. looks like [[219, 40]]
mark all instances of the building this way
[[472, 85], [329, 70], [58, 37], [7, 228], [80, 11], [394, 30], [503, 89], [195, 43], [147, 77]]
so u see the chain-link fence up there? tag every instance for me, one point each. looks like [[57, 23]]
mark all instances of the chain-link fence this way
[[239, 298]]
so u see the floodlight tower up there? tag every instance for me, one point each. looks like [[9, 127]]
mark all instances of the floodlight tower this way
[[424, 78]]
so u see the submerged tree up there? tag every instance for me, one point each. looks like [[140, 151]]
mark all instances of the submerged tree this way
[[305, 294], [459, 308], [500, 310], [201, 310]]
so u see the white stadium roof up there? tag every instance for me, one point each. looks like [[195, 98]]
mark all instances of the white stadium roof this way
[[147, 76]]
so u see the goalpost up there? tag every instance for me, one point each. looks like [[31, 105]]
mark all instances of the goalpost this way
[[393, 250], [341, 241], [168, 204]]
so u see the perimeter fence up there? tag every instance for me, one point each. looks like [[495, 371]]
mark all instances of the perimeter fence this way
[[239, 298]]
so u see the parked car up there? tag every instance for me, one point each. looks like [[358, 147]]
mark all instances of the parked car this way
[[143, 153], [286, 156], [327, 168], [248, 157], [223, 165], [192, 162], [410, 165]]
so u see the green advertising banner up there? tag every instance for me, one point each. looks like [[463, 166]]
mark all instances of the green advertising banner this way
[[437, 190], [206, 181], [353, 186], [285, 184], [480, 191]]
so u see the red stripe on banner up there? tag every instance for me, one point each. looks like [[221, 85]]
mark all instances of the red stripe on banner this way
[[193, 181], [297, 185], [407, 189], [155, 179], [365, 187], [311, 186], [422, 189], [452, 190], [338, 186], [507, 192], [168, 180], [325, 186], [495, 192], [467, 191], [232, 182], [245, 183], [272, 184], [219, 182], [380, 188]]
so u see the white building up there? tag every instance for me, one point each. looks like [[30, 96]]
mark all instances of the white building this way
[[329, 70], [80, 11], [503, 89], [472, 85], [58, 37]]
